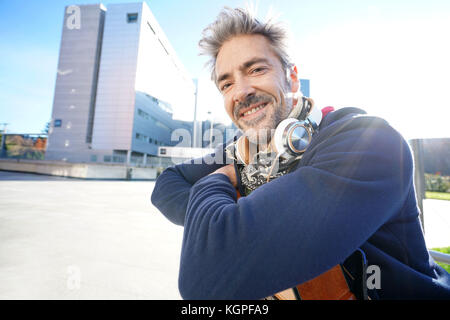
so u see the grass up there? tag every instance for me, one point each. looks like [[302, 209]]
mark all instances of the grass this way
[[437, 195], [447, 251]]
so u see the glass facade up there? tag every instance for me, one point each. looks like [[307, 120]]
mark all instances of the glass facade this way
[[119, 90], [138, 70]]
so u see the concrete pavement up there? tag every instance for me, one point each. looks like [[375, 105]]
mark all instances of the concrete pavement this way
[[64, 238], [73, 239]]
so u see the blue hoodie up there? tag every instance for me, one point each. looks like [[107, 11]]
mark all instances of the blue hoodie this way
[[353, 189]]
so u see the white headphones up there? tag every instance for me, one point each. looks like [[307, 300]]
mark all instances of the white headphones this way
[[292, 135]]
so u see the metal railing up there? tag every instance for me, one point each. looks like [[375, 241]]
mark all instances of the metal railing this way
[[439, 256]]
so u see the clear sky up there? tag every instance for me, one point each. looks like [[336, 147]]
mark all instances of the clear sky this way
[[389, 57]]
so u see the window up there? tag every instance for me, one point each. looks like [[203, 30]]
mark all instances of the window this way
[[132, 17], [118, 159], [143, 114], [141, 137], [162, 125], [57, 123], [107, 158]]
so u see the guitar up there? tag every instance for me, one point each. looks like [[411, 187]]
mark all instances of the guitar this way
[[330, 285]]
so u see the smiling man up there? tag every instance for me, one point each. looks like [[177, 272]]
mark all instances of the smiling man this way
[[314, 221], [253, 83]]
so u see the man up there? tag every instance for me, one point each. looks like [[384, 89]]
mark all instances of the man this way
[[351, 191]]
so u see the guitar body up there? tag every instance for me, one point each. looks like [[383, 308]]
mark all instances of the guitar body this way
[[330, 285]]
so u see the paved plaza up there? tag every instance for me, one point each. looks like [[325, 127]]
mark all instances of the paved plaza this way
[[74, 239], [65, 238]]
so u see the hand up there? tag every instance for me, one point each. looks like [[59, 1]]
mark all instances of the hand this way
[[229, 171]]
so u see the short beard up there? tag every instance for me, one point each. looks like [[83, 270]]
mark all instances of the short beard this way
[[261, 136]]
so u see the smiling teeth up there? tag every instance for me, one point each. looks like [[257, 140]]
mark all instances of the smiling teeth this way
[[254, 109]]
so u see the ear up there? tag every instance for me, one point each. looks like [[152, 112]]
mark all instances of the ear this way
[[293, 79]]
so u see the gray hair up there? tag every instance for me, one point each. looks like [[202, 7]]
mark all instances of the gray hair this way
[[233, 22]]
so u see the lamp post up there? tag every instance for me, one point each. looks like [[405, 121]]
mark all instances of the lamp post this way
[[3, 140], [210, 129], [194, 138]]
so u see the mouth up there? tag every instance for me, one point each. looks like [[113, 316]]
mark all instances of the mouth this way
[[252, 111]]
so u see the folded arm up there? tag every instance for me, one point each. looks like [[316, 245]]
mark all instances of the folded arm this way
[[171, 192], [299, 225]]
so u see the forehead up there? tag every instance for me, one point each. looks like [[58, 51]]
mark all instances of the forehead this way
[[238, 50]]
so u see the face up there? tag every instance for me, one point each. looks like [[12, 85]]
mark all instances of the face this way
[[253, 84]]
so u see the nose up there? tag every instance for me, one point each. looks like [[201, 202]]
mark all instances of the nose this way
[[242, 90]]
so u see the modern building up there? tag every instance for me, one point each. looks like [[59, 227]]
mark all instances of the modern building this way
[[119, 81]]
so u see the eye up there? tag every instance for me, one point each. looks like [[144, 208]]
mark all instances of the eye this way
[[258, 70], [225, 86]]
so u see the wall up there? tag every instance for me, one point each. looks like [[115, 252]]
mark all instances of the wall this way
[[79, 170]]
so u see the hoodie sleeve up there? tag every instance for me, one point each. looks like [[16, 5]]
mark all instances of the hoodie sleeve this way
[[171, 192], [354, 177]]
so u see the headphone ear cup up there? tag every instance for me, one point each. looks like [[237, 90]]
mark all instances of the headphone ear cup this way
[[279, 143]]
